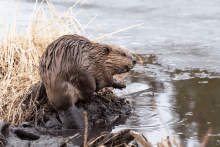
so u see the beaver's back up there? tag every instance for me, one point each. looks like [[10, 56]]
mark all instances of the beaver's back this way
[[74, 67]]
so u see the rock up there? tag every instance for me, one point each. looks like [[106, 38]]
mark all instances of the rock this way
[[4, 132]]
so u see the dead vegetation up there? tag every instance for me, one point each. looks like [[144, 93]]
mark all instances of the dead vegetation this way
[[20, 53]]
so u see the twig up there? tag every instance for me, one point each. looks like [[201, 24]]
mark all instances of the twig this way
[[165, 143], [122, 145], [2, 144], [3, 28], [118, 31], [139, 59], [103, 35], [91, 143], [86, 128], [205, 140], [117, 138], [141, 139], [62, 144]]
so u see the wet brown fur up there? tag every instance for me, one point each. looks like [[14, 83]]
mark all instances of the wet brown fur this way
[[73, 67]]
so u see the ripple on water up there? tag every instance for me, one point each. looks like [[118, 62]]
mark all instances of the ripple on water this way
[[144, 119]]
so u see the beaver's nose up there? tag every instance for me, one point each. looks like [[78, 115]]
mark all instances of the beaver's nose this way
[[134, 61]]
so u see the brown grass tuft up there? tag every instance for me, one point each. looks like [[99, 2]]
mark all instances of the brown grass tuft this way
[[19, 56]]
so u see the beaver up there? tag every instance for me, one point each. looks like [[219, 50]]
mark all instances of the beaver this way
[[73, 67]]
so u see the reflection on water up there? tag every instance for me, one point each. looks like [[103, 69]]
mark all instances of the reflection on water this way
[[198, 107], [187, 101]]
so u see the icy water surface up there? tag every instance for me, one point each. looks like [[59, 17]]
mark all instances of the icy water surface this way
[[183, 77], [187, 103]]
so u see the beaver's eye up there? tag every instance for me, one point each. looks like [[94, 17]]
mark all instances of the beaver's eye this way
[[107, 50], [123, 54]]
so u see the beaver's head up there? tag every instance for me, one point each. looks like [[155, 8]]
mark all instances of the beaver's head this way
[[119, 60]]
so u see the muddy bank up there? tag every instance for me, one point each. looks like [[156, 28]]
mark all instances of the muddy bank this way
[[104, 110]]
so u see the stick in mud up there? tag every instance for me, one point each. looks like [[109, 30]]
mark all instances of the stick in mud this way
[[141, 139], [62, 144], [86, 128]]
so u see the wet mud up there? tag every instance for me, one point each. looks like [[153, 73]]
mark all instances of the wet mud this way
[[104, 110]]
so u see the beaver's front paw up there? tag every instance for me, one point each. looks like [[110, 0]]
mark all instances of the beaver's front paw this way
[[118, 84]]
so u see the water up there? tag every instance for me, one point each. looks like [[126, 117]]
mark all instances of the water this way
[[187, 103], [183, 77]]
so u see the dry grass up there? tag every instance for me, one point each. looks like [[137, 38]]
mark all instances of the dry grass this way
[[19, 56]]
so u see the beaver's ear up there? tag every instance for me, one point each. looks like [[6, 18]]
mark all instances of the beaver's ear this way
[[107, 50]]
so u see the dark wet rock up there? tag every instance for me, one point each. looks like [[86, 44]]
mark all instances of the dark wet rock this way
[[23, 135], [4, 132], [4, 129]]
